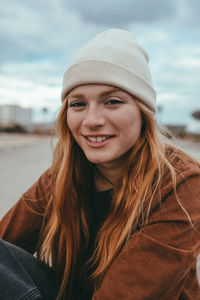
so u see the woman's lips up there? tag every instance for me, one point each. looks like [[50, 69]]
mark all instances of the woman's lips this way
[[98, 141]]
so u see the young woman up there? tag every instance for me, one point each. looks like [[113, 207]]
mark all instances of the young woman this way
[[117, 215]]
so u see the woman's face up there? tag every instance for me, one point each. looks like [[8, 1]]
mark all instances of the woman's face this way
[[105, 121]]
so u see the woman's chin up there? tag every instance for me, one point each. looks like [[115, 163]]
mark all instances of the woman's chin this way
[[109, 162], [98, 161]]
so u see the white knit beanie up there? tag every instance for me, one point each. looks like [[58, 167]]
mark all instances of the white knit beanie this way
[[112, 58]]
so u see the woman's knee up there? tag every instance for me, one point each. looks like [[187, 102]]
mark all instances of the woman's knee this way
[[28, 273]]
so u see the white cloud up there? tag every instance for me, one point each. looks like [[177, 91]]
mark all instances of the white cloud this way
[[35, 71], [169, 97], [28, 94], [189, 62]]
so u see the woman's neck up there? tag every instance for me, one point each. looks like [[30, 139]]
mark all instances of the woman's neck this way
[[106, 177]]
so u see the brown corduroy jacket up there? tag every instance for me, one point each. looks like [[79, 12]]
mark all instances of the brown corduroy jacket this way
[[158, 261]]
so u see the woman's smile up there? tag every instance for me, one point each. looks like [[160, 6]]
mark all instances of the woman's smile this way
[[97, 141]]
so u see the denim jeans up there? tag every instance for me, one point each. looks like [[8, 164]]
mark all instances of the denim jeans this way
[[22, 277]]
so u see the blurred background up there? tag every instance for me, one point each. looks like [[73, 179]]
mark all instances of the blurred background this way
[[38, 40]]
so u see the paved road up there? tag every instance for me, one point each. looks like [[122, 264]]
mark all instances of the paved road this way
[[19, 169]]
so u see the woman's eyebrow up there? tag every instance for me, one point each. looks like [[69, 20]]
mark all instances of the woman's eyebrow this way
[[79, 95], [76, 96], [111, 91]]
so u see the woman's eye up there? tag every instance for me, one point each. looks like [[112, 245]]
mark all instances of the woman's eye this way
[[76, 104], [114, 101]]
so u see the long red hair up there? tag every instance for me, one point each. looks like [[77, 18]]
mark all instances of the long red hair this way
[[65, 231]]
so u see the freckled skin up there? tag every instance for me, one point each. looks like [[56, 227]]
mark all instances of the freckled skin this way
[[101, 109]]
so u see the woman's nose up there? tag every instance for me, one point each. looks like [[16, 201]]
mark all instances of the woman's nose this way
[[94, 118]]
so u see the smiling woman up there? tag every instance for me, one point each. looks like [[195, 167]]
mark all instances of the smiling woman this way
[[96, 121], [118, 204]]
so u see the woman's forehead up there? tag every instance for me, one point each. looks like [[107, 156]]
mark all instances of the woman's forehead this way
[[95, 89]]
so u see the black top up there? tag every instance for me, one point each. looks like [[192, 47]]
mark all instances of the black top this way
[[100, 205]]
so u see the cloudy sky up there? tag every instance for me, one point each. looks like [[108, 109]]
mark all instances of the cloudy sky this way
[[39, 38]]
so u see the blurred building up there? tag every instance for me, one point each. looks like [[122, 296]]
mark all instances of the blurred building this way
[[15, 114]]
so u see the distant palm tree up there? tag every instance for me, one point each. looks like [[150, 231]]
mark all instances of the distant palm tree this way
[[45, 114], [196, 115]]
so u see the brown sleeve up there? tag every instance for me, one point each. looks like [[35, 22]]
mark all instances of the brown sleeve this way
[[22, 223], [159, 261]]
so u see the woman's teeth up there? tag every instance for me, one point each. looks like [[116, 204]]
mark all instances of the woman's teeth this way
[[97, 139]]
